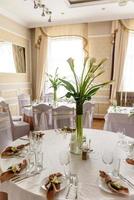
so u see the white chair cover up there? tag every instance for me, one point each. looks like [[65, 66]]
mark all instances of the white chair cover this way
[[63, 116], [88, 112], [23, 100], [119, 123], [14, 118], [42, 117], [19, 128], [5, 130]]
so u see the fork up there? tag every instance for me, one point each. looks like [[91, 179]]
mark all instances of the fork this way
[[76, 185], [21, 178], [69, 187]]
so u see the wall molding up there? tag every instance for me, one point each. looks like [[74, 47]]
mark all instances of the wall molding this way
[[15, 33], [12, 101], [99, 36], [12, 86]]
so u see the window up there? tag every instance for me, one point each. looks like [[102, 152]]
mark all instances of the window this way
[[128, 73], [59, 50], [6, 58]]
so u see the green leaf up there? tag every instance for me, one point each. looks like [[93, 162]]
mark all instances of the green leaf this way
[[68, 85]]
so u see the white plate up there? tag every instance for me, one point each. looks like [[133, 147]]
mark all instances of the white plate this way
[[62, 185], [102, 185]]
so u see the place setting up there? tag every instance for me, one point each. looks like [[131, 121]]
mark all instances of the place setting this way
[[65, 130], [113, 179], [62, 184], [14, 151], [24, 160], [13, 171], [58, 187]]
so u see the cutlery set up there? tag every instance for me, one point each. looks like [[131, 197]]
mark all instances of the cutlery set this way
[[20, 178], [126, 180], [72, 192]]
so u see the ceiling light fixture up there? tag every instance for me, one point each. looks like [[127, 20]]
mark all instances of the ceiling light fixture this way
[[82, 3], [123, 2], [39, 4]]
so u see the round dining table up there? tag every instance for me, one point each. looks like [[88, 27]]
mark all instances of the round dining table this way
[[54, 142]]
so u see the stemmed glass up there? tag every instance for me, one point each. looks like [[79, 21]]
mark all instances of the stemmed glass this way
[[121, 136], [36, 152], [107, 158], [64, 158]]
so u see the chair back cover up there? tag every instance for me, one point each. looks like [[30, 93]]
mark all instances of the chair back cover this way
[[42, 117], [63, 116], [23, 100], [88, 112], [5, 128]]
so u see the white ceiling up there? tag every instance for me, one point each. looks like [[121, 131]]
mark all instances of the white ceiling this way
[[23, 12]]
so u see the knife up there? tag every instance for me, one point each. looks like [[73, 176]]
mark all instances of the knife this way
[[127, 181], [20, 178]]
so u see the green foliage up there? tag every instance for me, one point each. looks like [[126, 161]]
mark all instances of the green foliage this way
[[54, 80], [84, 87]]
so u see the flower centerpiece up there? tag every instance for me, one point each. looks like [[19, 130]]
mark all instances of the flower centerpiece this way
[[55, 83], [83, 88]]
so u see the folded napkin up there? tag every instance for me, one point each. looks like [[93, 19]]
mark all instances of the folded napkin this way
[[114, 185], [13, 171], [37, 134], [68, 129], [130, 161], [12, 150], [53, 185]]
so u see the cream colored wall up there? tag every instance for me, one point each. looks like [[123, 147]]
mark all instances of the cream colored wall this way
[[13, 84], [99, 38]]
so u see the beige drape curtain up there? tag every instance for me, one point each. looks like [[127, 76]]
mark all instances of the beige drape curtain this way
[[121, 41], [79, 30], [41, 44], [19, 58]]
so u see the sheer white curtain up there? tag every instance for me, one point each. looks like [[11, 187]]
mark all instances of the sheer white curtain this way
[[128, 72], [59, 50]]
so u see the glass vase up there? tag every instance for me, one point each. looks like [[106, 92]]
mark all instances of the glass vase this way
[[77, 138], [79, 122], [55, 97]]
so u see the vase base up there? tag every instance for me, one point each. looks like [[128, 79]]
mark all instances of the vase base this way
[[75, 151]]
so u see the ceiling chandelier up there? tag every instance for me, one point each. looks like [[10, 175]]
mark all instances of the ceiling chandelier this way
[[39, 4]]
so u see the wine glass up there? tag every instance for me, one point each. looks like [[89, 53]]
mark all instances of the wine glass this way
[[107, 158], [31, 162], [121, 137], [64, 158]]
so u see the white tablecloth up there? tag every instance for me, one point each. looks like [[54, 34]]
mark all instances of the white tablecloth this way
[[87, 171], [118, 119]]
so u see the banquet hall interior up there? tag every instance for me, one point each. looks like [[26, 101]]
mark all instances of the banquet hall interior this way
[[66, 99]]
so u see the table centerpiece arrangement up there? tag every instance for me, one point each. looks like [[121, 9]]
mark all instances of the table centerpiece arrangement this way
[[55, 84], [82, 89]]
